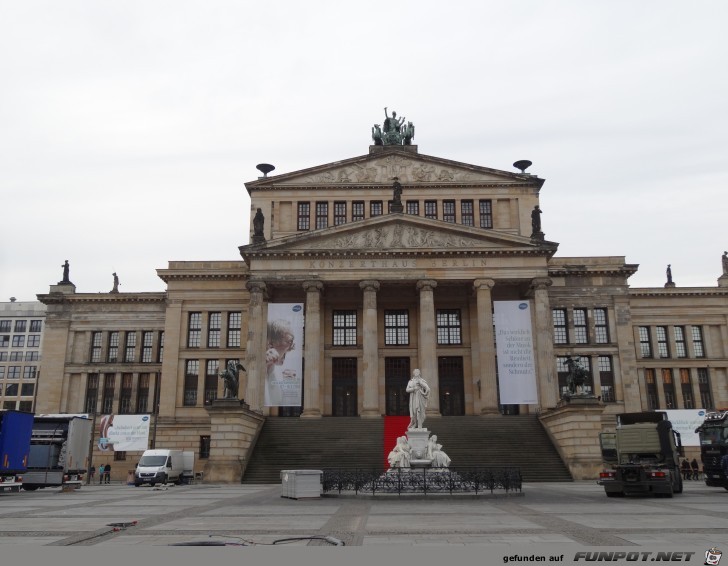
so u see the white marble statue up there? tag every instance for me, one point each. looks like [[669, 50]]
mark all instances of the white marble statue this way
[[435, 453], [419, 393], [400, 455]]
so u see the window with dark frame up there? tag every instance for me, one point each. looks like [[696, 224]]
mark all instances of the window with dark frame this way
[[107, 401], [467, 213], [322, 215], [26, 406], [375, 208], [33, 341], [448, 327], [92, 393], [233, 337], [211, 380], [119, 455], [431, 209], [5, 325], [4, 341], [35, 325], [194, 330], [20, 325], [96, 343], [486, 213], [357, 210], [160, 355], [653, 401], [113, 352], [214, 323], [706, 396], [30, 372], [396, 327], [192, 372], [304, 216], [448, 210], [125, 394], [27, 389], [32, 356], [681, 350], [663, 350], [19, 341], [560, 330], [686, 386], [645, 345], [668, 387], [13, 372], [344, 328], [581, 332], [204, 447], [698, 342], [143, 393], [147, 347], [606, 378], [413, 207], [339, 213], [130, 347], [601, 326]]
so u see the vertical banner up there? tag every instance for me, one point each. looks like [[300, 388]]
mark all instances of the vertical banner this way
[[284, 355], [514, 347]]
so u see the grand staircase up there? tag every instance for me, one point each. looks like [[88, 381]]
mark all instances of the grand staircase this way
[[352, 442]]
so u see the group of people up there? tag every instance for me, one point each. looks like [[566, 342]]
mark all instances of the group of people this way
[[104, 473], [690, 470]]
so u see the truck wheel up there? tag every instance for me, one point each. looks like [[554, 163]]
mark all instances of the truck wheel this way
[[679, 488], [615, 494]]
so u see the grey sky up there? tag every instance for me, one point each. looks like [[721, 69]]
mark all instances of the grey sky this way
[[127, 129]]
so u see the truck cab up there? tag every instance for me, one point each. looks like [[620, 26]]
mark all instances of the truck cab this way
[[713, 435]]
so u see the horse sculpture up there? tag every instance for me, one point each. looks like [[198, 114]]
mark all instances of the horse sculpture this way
[[230, 379], [577, 377]]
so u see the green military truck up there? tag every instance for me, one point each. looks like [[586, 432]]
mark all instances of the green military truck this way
[[641, 456]]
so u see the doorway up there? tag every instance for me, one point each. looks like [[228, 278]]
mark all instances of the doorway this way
[[452, 390], [343, 386], [396, 376]]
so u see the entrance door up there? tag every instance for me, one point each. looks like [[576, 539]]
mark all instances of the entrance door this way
[[343, 402], [396, 376], [452, 390]]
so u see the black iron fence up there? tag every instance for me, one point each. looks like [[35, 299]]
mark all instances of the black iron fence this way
[[421, 480]]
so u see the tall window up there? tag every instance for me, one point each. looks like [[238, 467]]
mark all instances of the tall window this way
[[304, 215], [668, 386], [96, 338], [680, 349], [344, 328], [20, 325], [147, 345], [357, 210], [192, 372], [204, 447], [113, 354], [653, 402], [160, 357], [211, 379], [413, 207], [375, 208], [4, 341], [581, 334], [36, 325], [706, 396], [143, 393], [130, 347], [486, 213], [560, 333], [233, 337], [107, 402], [339, 213], [448, 210], [125, 395], [686, 385], [5, 325], [663, 351], [92, 393], [448, 326], [322, 215], [601, 326], [431, 209], [213, 329], [645, 345], [396, 328], [467, 214], [606, 378], [698, 343], [194, 331]]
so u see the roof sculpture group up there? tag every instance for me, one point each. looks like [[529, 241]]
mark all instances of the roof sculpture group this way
[[394, 131]]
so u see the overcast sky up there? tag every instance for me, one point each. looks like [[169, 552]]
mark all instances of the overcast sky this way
[[127, 129]]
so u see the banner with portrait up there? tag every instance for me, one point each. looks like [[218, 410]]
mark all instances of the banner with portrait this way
[[514, 347], [122, 433], [284, 355]]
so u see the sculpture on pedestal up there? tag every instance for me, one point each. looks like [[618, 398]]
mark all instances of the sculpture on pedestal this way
[[419, 393], [577, 377], [724, 260], [66, 268], [116, 284], [230, 379], [435, 453], [400, 455]]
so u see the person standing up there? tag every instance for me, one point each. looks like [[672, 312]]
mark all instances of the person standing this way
[[92, 473], [696, 469], [107, 473], [685, 468], [101, 474]]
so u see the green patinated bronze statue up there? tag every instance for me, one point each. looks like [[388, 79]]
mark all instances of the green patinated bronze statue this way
[[394, 131]]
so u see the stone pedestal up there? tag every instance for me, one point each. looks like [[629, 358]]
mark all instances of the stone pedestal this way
[[723, 281], [417, 439], [234, 428]]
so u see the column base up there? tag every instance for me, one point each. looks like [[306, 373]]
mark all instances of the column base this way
[[311, 414]]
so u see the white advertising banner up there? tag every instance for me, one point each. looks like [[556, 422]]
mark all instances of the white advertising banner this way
[[284, 355], [514, 347], [122, 433], [685, 421]]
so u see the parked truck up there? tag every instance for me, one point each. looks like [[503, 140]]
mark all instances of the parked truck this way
[[641, 456], [159, 466], [15, 431], [713, 435], [59, 452]]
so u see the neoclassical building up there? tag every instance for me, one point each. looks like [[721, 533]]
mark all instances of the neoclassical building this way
[[398, 260]]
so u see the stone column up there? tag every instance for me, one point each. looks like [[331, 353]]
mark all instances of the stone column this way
[[596, 378], [485, 374], [370, 355], [255, 346], [428, 343], [548, 383], [312, 350]]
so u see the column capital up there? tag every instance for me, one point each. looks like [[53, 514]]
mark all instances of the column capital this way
[[426, 284], [256, 286], [484, 284], [541, 283], [369, 285], [313, 285]]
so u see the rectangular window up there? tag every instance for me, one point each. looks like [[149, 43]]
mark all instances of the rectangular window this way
[[13, 372], [601, 326], [125, 395], [18, 341], [448, 326], [706, 396], [4, 356], [26, 406], [413, 207], [194, 331], [211, 379], [467, 213], [486, 213], [581, 333], [27, 389], [192, 372], [322, 215], [119, 455], [668, 386], [160, 357], [11, 390], [33, 340], [113, 354], [357, 210], [31, 356], [375, 208], [20, 325], [204, 447], [698, 343], [645, 345], [560, 332], [663, 350], [448, 210], [130, 349], [653, 402], [2, 372], [96, 339], [8, 405], [35, 325], [680, 350], [143, 393], [147, 345], [431, 209], [339, 213], [606, 378], [5, 325], [107, 401], [214, 323], [16, 356], [344, 328], [92, 393], [30, 372], [304, 215], [396, 328], [4, 340], [233, 337], [686, 386]]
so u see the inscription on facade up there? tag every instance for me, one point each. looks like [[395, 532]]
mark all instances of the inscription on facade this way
[[396, 263]]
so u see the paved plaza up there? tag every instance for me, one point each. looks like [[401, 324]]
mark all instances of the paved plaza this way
[[558, 517]]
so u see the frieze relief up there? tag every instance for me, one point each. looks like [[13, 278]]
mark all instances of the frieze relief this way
[[397, 236]]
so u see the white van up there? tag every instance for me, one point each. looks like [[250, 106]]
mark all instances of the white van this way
[[159, 466]]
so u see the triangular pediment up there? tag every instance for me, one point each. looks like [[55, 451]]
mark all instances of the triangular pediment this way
[[409, 167], [400, 233]]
